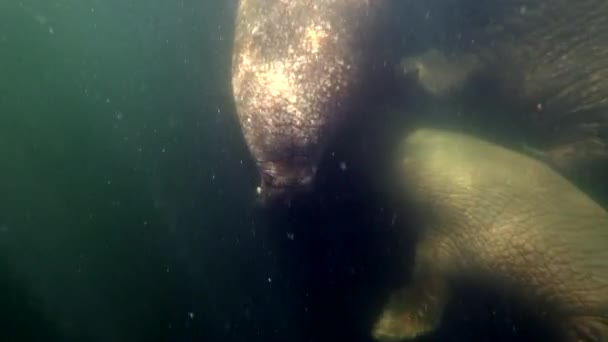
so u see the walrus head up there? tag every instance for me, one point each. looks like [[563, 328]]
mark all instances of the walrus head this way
[[298, 78]]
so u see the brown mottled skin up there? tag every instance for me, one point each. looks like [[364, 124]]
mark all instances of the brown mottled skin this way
[[297, 71], [495, 217]]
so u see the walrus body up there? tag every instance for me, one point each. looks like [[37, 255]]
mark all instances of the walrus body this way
[[545, 59], [496, 217], [298, 68]]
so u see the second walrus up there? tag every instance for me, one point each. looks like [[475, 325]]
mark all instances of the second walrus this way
[[495, 217]]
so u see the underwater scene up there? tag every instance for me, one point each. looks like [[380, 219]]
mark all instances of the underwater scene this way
[[303, 170]]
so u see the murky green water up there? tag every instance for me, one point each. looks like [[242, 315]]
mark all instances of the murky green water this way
[[114, 123]]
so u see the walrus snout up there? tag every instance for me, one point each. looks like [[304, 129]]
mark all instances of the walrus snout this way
[[280, 182]]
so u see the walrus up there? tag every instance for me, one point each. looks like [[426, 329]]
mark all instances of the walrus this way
[[496, 217], [298, 70], [546, 60]]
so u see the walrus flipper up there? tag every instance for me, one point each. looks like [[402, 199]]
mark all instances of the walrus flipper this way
[[416, 309], [439, 74], [413, 311]]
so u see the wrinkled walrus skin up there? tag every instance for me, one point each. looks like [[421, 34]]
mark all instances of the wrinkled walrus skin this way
[[500, 218], [297, 70]]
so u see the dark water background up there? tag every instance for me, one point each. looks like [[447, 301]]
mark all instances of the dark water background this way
[[127, 194], [123, 188]]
